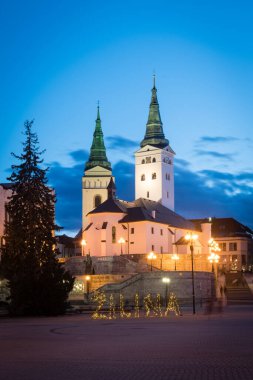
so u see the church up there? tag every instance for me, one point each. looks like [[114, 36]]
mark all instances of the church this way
[[111, 226]]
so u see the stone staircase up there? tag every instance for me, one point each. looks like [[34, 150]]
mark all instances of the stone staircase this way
[[238, 291]]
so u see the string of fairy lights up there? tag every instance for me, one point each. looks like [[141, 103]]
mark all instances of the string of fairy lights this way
[[152, 307]]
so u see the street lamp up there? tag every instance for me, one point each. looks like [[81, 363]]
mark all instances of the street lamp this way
[[166, 281], [151, 257], [121, 241], [213, 259], [87, 278], [191, 238], [83, 244], [175, 257]]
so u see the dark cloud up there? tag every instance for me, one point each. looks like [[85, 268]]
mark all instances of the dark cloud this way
[[124, 174], [116, 142], [211, 193], [217, 139], [197, 194], [180, 162], [223, 156], [67, 182], [79, 155]]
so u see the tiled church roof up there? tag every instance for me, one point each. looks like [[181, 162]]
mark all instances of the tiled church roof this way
[[144, 210]]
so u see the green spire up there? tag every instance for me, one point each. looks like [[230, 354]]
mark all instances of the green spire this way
[[97, 150], [154, 128]]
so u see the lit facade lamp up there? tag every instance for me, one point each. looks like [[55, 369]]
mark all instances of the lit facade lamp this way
[[83, 244], [191, 238], [214, 257], [121, 241], [151, 257], [166, 281], [175, 258], [87, 279]]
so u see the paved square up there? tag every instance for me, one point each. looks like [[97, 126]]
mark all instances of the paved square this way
[[219, 346]]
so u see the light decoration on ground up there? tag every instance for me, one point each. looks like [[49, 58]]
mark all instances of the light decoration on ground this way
[[152, 308], [150, 305], [136, 306], [123, 313], [112, 313], [172, 305], [100, 299]]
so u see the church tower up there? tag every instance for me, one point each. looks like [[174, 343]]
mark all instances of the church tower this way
[[97, 174], [154, 161]]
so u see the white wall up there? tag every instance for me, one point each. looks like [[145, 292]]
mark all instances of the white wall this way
[[160, 189]]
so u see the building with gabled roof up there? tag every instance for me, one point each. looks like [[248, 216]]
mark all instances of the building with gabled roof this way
[[235, 241]]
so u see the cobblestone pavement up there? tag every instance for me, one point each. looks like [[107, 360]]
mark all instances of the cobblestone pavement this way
[[219, 346]]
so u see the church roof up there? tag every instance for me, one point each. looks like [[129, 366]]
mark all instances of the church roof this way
[[154, 128], [111, 205], [144, 210], [156, 212], [97, 151]]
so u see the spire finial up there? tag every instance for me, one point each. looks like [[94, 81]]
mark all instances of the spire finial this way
[[154, 79], [98, 113]]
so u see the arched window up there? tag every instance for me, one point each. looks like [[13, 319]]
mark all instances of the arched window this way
[[97, 200], [154, 160], [153, 175], [113, 234], [143, 177], [147, 194], [143, 161]]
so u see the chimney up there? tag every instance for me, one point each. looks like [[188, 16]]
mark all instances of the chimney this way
[[153, 214]]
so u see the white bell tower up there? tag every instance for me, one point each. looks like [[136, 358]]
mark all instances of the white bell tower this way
[[154, 161]]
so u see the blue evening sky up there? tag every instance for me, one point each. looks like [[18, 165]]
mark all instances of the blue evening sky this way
[[58, 58]]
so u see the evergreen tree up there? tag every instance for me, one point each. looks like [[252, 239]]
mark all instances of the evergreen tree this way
[[38, 283]]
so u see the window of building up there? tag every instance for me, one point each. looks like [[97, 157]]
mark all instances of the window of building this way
[[147, 194], [167, 194], [154, 160], [223, 247], [161, 232], [97, 200], [132, 231], [148, 160], [143, 177], [233, 246], [143, 161], [113, 234], [244, 260], [161, 249], [167, 177], [152, 247], [152, 230], [153, 175]]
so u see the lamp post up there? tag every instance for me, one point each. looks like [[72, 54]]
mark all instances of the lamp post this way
[[87, 278], [121, 241], [166, 281], [83, 244], [151, 257], [191, 238], [175, 257]]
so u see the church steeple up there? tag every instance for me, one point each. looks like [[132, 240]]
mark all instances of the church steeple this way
[[98, 152], [154, 128]]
